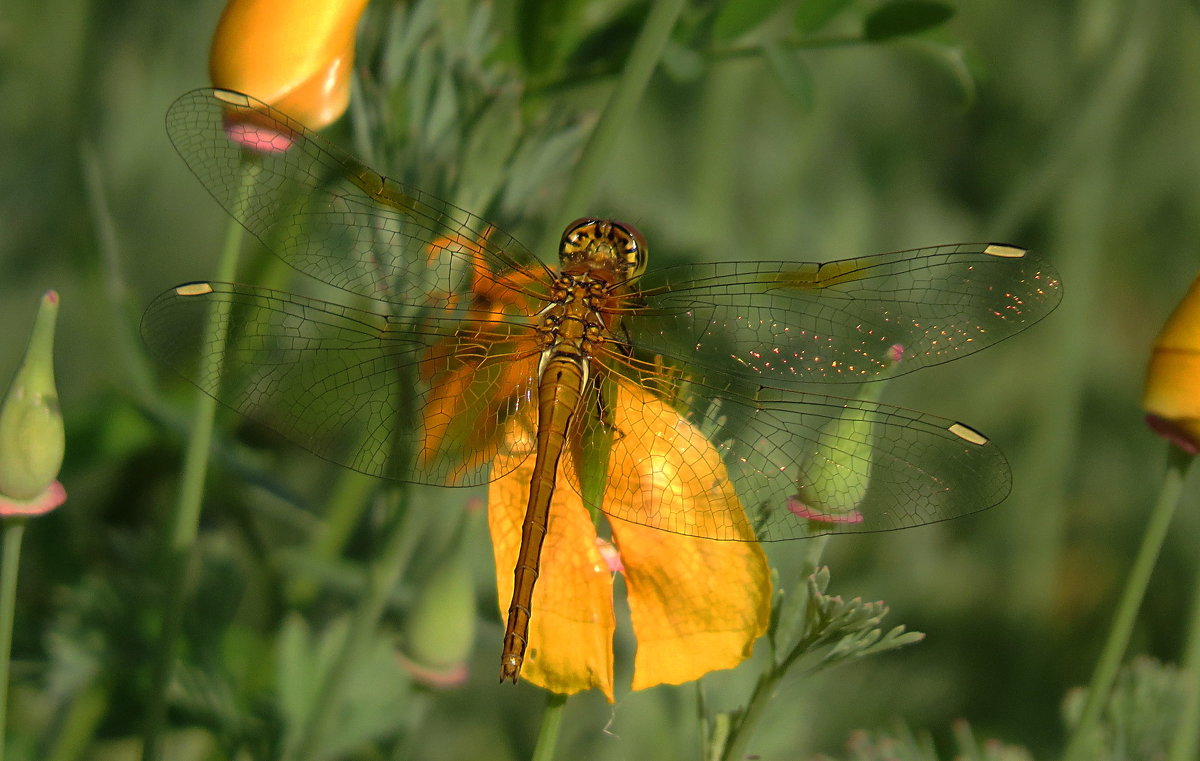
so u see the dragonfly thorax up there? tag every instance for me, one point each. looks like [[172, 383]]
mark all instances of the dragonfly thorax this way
[[573, 324], [607, 250]]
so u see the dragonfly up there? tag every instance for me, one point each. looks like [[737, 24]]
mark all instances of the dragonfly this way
[[451, 347]]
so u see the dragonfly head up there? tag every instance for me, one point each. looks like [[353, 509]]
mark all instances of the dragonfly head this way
[[612, 250]]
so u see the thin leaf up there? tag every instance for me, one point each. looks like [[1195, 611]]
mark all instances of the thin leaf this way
[[792, 72], [904, 18], [735, 19], [813, 15], [605, 48], [488, 152], [542, 27], [681, 63], [953, 59]]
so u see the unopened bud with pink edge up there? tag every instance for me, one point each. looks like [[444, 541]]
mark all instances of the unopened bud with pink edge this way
[[32, 439]]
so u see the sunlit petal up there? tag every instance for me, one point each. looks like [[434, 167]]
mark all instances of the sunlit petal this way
[[297, 56], [697, 604], [571, 631]]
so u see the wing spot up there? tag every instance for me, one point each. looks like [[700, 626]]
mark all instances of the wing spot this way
[[968, 434], [193, 289], [1007, 252]]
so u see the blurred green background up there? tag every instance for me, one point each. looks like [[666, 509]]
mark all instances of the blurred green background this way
[[1067, 128]]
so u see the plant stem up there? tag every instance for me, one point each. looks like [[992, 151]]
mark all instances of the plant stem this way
[[130, 358], [1131, 600], [547, 738], [400, 539], [346, 504], [78, 727], [812, 557], [620, 109], [10, 563], [743, 729], [185, 518], [1081, 154], [1187, 733]]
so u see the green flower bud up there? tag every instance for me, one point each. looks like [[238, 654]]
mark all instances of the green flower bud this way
[[840, 470], [32, 439]]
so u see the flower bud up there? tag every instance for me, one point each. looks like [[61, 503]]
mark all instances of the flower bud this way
[[1172, 395], [32, 439], [841, 463], [295, 55]]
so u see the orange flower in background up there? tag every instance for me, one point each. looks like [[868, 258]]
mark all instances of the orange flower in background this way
[[452, 370], [697, 605], [1172, 396], [296, 55]]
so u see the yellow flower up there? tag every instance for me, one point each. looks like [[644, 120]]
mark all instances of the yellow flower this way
[[295, 55], [1172, 396], [696, 605]]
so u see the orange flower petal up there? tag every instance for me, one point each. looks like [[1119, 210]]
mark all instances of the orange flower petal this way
[[294, 55], [697, 605], [571, 629], [1172, 395]]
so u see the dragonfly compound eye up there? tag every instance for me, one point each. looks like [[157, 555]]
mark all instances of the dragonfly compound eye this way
[[603, 246]]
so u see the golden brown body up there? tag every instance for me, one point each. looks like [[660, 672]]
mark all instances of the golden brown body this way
[[599, 260]]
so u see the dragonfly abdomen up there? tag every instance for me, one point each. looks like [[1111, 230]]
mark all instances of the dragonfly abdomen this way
[[559, 395]]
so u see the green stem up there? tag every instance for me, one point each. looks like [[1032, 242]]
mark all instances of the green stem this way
[[743, 730], [1131, 600], [1081, 153], [620, 110], [130, 358], [547, 738], [10, 563], [415, 715], [185, 518], [78, 728], [812, 561], [1187, 733], [740, 735], [400, 539], [346, 505]]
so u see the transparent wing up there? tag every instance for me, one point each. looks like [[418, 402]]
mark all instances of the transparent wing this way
[[784, 324], [417, 401], [801, 464], [330, 216]]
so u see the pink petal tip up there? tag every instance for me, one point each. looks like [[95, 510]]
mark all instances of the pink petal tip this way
[[1174, 433], [258, 138], [610, 555], [54, 496], [801, 510]]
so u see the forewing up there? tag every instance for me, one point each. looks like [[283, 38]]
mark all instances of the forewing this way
[[330, 216], [423, 402], [786, 324]]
